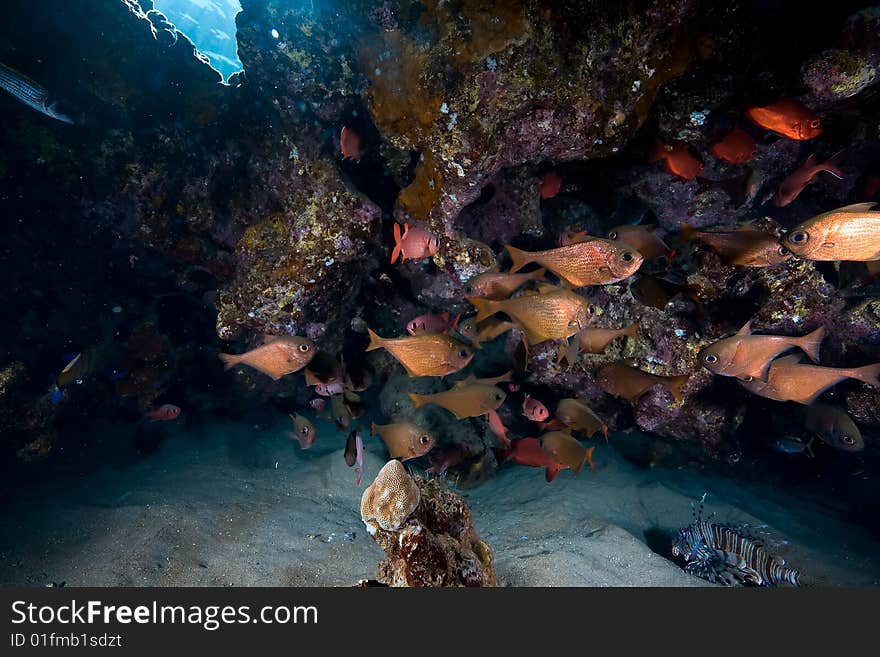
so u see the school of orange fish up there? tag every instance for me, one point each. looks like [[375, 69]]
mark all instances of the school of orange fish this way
[[543, 305]]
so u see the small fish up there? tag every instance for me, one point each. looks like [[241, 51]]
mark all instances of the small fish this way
[[498, 427], [303, 431], [281, 356], [470, 400], [788, 118], [489, 380], [404, 440], [428, 354], [849, 233], [658, 292], [359, 459], [163, 413], [350, 453], [550, 185], [577, 416], [793, 445], [627, 382], [570, 236], [330, 389], [340, 412], [643, 239], [430, 324], [737, 147], [677, 158], [534, 410], [416, 243], [834, 427], [743, 247], [594, 262], [350, 144], [498, 286], [528, 452], [789, 380], [805, 175], [745, 354], [566, 451], [593, 341], [492, 327], [30, 93], [552, 316], [318, 404]]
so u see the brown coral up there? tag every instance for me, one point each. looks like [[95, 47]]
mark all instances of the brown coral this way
[[390, 499]]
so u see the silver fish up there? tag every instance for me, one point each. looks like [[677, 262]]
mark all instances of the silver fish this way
[[30, 93]]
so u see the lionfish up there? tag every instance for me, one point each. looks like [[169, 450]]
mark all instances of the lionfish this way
[[724, 555]]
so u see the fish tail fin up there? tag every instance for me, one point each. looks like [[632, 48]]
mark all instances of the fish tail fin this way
[[589, 458], [417, 400], [485, 308], [539, 274], [376, 342], [229, 360], [632, 331], [869, 374], [398, 243], [551, 472], [675, 384], [688, 233], [518, 257], [811, 343]]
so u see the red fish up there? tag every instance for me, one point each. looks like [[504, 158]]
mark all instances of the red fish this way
[[788, 118], [350, 144], [805, 175], [550, 185], [430, 324], [736, 147], [498, 428], [679, 160], [535, 410], [164, 412], [416, 243], [330, 389], [528, 452]]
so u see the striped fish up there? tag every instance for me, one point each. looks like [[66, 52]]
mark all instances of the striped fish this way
[[30, 93], [724, 555]]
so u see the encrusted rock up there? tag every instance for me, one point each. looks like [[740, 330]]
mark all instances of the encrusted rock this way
[[390, 499]]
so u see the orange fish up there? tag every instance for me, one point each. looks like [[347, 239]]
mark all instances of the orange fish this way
[[643, 239], [744, 354], [497, 286], [788, 380], [469, 400], [489, 381], [426, 354], [594, 262], [303, 431], [498, 427], [805, 175], [528, 452], [491, 328], [543, 317], [788, 118], [594, 341], [577, 416], [678, 159], [164, 412], [743, 247], [567, 451], [550, 185], [281, 356], [849, 233], [737, 147], [404, 440], [630, 383], [416, 243], [350, 144]]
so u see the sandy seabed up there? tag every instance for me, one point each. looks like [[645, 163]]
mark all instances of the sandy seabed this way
[[238, 505]]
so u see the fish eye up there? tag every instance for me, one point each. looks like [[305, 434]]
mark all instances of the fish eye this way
[[711, 358], [304, 431], [304, 348], [799, 237], [849, 440], [815, 123], [612, 235], [748, 379], [424, 440], [469, 289], [463, 353], [627, 256], [783, 251], [591, 309], [498, 397]]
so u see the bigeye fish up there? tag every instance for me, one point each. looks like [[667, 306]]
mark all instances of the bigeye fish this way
[[303, 431], [577, 416], [593, 341], [430, 323], [677, 158], [404, 440], [789, 380], [528, 452], [415, 243], [30, 93], [595, 261], [567, 451], [746, 355], [643, 239], [469, 400], [350, 144], [426, 354], [534, 409], [834, 427], [736, 147], [623, 380], [788, 118], [805, 175], [281, 356], [742, 247], [848, 233], [500, 285]]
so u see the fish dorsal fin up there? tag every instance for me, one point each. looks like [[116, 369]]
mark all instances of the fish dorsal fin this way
[[469, 379], [547, 288], [857, 207], [793, 359], [746, 329]]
